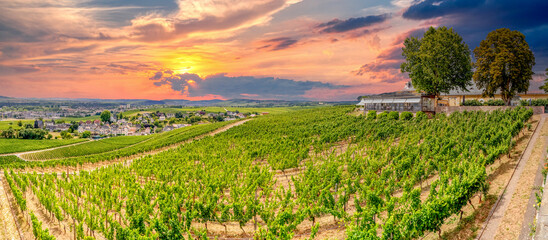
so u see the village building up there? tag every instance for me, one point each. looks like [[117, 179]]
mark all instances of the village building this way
[[410, 100]]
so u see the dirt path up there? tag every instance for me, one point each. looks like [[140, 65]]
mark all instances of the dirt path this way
[[531, 212], [24, 155], [498, 223], [126, 160], [8, 228]]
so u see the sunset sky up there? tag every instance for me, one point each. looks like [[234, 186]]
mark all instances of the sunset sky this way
[[225, 49]]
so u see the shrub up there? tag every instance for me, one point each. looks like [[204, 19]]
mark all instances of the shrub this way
[[66, 135], [86, 134], [30, 133], [394, 115], [420, 115], [472, 103], [406, 116], [497, 102], [383, 115], [371, 114]]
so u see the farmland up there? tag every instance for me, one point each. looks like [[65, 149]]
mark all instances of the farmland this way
[[23, 145], [280, 177], [130, 146], [273, 110], [89, 148]]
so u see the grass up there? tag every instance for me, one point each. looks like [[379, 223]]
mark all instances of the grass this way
[[4, 125], [77, 119], [23, 145], [89, 148]]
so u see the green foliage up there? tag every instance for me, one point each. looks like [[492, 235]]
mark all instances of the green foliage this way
[[194, 119], [535, 102], [394, 115], [66, 135], [420, 115], [9, 133], [105, 116], [23, 145], [229, 178], [39, 233], [86, 134], [30, 133], [371, 114], [472, 102], [497, 102], [406, 115], [156, 141], [504, 63], [383, 115], [437, 63], [545, 85], [88, 148]]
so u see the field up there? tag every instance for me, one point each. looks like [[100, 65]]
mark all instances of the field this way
[[89, 148], [273, 110], [5, 124], [312, 172], [24, 145], [102, 153]]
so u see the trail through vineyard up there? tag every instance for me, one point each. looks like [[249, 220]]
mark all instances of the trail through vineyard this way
[[125, 160], [345, 174], [508, 217], [19, 154], [8, 228]]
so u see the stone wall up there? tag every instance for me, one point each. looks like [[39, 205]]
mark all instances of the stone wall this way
[[447, 109]]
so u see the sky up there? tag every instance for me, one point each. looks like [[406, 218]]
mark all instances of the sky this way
[[324, 50]]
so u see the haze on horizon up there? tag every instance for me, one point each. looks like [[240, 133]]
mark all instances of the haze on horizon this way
[[223, 49]]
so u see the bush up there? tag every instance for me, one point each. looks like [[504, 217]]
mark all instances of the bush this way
[[497, 102], [394, 115], [86, 134], [406, 116], [383, 115], [420, 115], [535, 102], [472, 103], [30, 133], [371, 114], [66, 135]]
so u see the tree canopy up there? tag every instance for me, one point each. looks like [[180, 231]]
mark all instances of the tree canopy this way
[[504, 62], [439, 62], [545, 86], [105, 116]]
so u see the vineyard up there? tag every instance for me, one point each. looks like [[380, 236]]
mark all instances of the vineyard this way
[[24, 145], [89, 148], [278, 177], [156, 141]]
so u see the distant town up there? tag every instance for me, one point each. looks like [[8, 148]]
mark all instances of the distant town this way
[[96, 122]]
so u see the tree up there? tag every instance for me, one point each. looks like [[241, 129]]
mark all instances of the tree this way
[[86, 134], [66, 135], [439, 62], [504, 62], [545, 86], [105, 116]]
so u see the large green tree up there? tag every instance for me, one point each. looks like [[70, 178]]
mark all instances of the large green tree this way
[[545, 86], [439, 62], [105, 116], [504, 62]]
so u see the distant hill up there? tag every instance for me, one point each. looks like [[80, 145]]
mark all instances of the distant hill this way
[[8, 101]]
